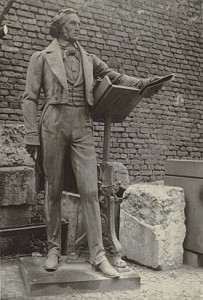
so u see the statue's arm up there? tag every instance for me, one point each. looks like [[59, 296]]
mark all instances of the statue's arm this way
[[30, 98], [101, 69]]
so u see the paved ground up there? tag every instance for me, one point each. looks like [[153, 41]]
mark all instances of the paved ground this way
[[178, 284]]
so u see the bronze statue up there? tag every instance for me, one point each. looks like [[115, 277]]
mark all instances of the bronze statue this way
[[65, 72]]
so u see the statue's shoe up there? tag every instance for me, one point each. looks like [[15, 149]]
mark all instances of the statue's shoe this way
[[107, 270], [51, 263]]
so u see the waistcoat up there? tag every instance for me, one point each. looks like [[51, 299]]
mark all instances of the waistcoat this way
[[75, 79]]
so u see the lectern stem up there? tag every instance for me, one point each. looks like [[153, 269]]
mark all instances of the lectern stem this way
[[107, 136]]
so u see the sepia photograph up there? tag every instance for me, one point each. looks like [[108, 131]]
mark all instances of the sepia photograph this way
[[101, 149]]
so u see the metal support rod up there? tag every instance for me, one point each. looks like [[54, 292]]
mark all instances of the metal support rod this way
[[107, 136]]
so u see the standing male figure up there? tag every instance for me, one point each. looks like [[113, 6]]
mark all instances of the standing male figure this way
[[65, 72]]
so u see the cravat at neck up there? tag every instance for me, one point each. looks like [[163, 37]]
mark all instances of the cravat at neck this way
[[69, 49]]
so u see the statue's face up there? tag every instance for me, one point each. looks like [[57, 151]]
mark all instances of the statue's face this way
[[71, 28]]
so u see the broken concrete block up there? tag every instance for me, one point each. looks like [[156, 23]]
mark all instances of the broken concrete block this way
[[152, 225], [12, 147], [17, 186]]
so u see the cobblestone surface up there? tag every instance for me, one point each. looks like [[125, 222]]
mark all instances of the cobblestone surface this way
[[185, 283]]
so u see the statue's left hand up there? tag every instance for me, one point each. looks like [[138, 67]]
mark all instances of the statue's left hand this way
[[155, 78]]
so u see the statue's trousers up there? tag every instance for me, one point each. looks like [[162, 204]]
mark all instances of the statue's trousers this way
[[66, 126]]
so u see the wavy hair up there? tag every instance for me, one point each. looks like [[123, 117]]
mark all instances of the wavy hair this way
[[59, 20]]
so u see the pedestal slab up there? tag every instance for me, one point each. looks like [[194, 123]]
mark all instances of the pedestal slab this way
[[71, 277]]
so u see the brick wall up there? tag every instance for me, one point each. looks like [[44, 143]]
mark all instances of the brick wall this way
[[141, 38]]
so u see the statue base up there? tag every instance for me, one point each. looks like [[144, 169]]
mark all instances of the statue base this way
[[71, 277]]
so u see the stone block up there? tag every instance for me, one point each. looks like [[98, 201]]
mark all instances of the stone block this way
[[17, 186], [12, 148], [188, 174], [152, 228]]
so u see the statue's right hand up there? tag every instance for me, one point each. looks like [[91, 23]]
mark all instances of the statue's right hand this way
[[31, 149]]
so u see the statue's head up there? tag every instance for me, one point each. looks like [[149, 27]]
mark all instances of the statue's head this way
[[66, 25]]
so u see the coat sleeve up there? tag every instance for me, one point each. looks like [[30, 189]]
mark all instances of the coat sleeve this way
[[101, 69], [30, 98]]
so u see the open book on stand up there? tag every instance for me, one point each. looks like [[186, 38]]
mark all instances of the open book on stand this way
[[118, 101]]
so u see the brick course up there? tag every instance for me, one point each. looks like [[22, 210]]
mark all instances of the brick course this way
[[141, 38]]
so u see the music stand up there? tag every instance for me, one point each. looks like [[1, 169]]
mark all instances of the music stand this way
[[113, 103]]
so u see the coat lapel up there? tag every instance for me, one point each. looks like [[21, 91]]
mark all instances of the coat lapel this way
[[81, 77], [54, 59], [87, 69]]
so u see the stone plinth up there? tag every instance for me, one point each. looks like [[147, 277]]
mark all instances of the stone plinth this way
[[152, 228], [72, 277], [13, 151]]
